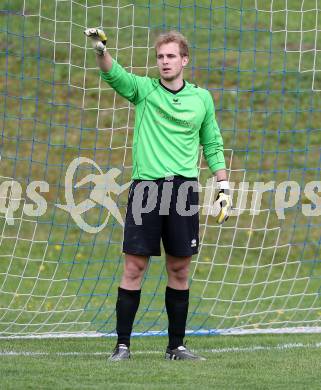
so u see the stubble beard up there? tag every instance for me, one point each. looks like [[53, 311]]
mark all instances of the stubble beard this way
[[172, 78]]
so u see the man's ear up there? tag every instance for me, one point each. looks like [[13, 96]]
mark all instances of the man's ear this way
[[185, 60]]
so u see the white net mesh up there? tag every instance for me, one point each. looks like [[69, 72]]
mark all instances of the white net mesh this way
[[261, 62]]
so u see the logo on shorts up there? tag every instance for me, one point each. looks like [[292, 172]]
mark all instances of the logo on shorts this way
[[193, 243]]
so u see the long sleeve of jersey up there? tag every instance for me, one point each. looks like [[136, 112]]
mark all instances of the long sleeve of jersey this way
[[210, 137], [127, 85]]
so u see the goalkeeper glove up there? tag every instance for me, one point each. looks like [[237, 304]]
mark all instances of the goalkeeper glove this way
[[98, 40], [223, 202]]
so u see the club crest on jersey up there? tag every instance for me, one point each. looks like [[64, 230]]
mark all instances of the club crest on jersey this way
[[176, 101]]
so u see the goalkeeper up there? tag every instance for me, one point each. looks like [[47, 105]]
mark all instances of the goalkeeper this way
[[172, 117]]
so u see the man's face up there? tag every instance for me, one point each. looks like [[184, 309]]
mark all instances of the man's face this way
[[169, 61]]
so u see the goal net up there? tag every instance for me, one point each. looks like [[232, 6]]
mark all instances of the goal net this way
[[65, 133]]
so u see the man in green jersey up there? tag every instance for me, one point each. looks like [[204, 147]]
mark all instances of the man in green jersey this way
[[172, 117]]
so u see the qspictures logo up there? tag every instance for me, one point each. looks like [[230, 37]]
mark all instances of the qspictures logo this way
[[35, 205], [104, 187]]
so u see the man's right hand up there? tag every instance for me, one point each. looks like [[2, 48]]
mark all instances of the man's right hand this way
[[98, 40]]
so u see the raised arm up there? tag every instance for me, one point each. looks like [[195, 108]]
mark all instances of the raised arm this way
[[126, 84], [99, 39]]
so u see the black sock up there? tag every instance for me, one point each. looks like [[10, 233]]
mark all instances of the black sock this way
[[126, 308], [176, 302]]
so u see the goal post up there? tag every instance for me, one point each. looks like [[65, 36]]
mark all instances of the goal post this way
[[65, 134]]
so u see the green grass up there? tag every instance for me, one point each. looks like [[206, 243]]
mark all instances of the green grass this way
[[257, 362]]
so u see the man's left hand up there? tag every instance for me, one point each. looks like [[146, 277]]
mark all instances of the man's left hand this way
[[223, 204]]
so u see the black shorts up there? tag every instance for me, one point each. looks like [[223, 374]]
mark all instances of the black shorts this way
[[164, 209]]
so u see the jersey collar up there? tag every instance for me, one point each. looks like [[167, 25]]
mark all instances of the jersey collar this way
[[171, 90]]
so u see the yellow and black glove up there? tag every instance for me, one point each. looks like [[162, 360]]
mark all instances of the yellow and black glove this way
[[223, 202], [98, 40]]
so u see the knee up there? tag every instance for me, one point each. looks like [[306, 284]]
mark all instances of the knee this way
[[134, 271], [178, 272]]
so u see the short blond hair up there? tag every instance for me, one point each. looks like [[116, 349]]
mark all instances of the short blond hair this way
[[173, 36]]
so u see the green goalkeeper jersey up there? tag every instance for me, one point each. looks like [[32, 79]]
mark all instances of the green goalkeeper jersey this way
[[169, 127]]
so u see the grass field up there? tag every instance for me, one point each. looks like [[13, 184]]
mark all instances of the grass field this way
[[233, 362]]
